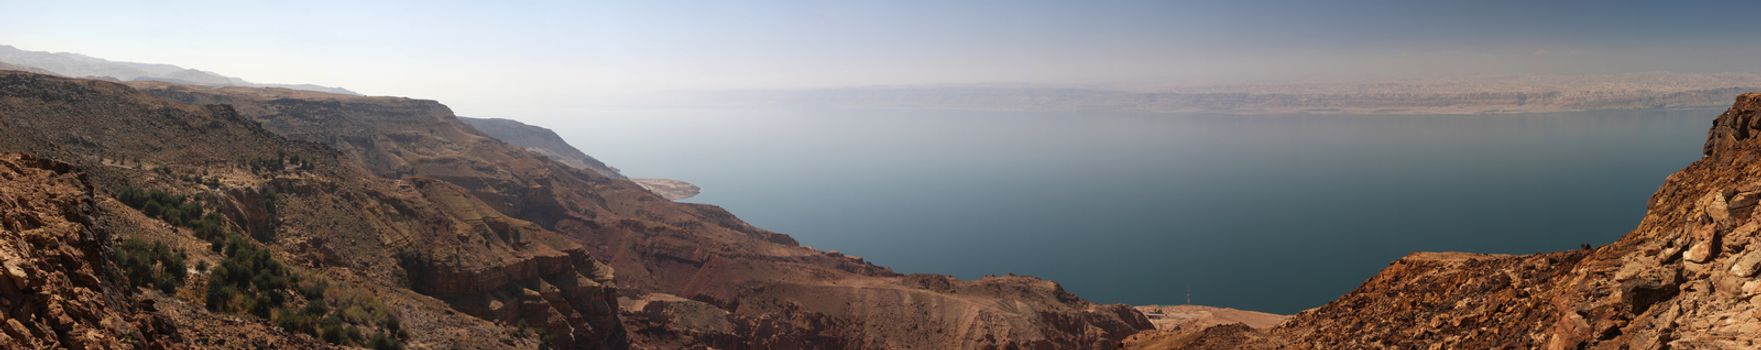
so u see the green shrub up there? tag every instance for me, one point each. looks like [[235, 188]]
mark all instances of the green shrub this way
[[248, 278], [381, 341], [153, 265], [173, 209]]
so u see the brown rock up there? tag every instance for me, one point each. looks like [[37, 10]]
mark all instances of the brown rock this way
[[1714, 207], [1747, 264], [1705, 243]]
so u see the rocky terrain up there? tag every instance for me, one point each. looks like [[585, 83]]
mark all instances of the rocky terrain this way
[[1176, 323], [52, 287], [1193, 317], [298, 217], [1685, 278], [330, 241]]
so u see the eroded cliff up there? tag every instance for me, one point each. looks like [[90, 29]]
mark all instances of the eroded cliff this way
[[297, 240]]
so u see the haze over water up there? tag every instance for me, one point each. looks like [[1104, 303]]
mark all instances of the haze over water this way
[[1272, 213]]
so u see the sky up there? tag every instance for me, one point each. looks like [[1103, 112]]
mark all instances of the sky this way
[[509, 58]]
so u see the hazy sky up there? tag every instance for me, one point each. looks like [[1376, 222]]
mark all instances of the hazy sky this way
[[510, 57]]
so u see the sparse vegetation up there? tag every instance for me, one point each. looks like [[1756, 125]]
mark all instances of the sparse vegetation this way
[[152, 265], [173, 209], [250, 280], [280, 163], [178, 211]]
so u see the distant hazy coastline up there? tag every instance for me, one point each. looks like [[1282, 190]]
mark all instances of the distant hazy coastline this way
[[1487, 95]]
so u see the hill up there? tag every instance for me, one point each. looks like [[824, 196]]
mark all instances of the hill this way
[[546, 142], [82, 66]]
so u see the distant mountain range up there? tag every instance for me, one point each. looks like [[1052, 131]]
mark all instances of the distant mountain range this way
[[82, 66], [1482, 95], [1472, 95]]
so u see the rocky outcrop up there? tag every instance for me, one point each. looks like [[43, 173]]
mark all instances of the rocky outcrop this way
[[59, 289], [1684, 278], [505, 269], [961, 314], [53, 283]]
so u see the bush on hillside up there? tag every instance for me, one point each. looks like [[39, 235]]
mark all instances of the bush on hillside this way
[[152, 265]]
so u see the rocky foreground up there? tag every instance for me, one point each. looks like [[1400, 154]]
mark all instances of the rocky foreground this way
[[1686, 278]]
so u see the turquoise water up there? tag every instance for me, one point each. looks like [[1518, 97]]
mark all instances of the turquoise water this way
[[1274, 213]]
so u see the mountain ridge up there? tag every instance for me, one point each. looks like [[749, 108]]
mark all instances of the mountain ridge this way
[[546, 142], [1461, 96], [77, 66]]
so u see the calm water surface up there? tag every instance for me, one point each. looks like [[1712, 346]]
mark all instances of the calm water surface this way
[[1274, 213]]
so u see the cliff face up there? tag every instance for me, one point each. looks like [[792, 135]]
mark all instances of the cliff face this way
[[369, 245], [1686, 277], [510, 270], [700, 275], [540, 140], [547, 143], [52, 289]]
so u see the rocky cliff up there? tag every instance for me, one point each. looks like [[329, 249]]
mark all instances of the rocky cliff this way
[[52, 285], [545, 142], [1686, 277], [344, 253], [540, 140]]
